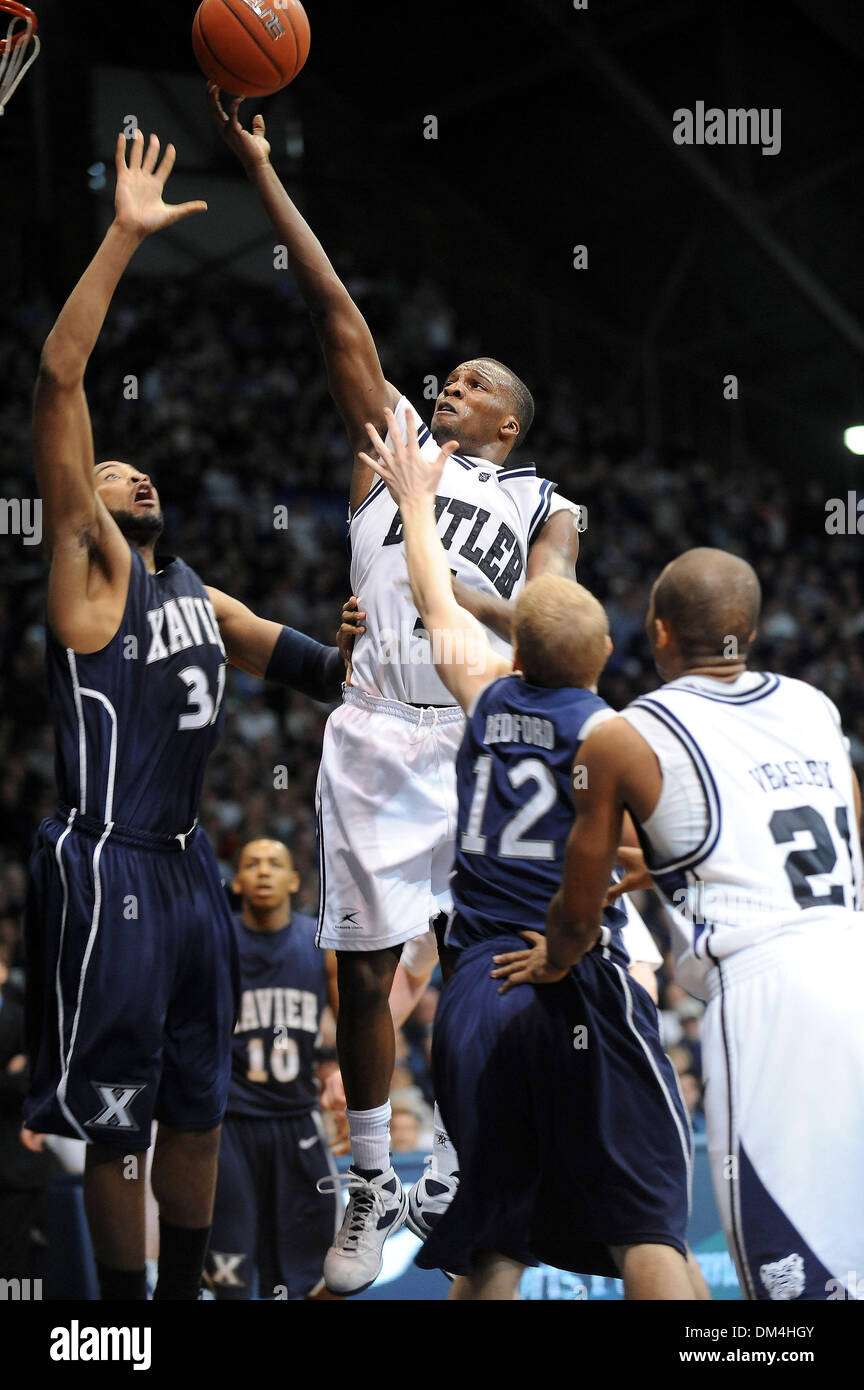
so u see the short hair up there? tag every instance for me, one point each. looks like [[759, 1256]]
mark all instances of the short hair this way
[[707, 596], [521, 400], [264, 839], [560, 631]]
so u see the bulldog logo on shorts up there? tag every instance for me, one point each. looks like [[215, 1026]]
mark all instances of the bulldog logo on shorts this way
[[784, 1279]]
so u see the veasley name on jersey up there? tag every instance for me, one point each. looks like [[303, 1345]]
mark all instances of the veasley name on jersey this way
[[180, 623], [519, 728], [794, 772], [278, 1008], [471, 520]]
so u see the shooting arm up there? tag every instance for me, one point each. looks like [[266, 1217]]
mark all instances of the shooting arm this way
[[354, 372]]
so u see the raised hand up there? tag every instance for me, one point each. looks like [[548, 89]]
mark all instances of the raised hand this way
[[250, 146], [138, 203], [406, 472]]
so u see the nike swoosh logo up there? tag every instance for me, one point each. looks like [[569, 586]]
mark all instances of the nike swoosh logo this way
[[307, 1143]]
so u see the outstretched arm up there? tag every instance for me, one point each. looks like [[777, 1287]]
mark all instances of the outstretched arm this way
[[357, 382], [276, 653], [89, 555], [463, 657]]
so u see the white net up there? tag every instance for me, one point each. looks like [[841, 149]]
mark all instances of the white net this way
[[18, 51]]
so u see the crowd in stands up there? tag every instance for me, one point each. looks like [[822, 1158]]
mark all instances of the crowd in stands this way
[[222, 398]]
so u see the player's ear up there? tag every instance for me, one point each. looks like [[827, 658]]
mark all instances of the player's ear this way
[[509, 429], [294, 882], [662, 633], [236, 886], [610, 646]]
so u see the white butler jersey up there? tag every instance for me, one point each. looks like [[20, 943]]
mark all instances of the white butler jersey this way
[[488, 517], [754, 835]]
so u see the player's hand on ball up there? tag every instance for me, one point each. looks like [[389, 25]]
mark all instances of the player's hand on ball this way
[[406, 472], [250, 146], [636, 875], [529, 967], [138, 203]]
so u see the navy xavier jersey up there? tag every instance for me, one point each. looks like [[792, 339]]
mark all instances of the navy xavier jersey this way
[[284, 990], [136, 722], [513, 774]]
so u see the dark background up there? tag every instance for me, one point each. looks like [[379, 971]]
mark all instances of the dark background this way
[[555, 129]]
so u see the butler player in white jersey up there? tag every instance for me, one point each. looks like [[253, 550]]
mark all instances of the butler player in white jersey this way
[[750, 817], [387, 790]]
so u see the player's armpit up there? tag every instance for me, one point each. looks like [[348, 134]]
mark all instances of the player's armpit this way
[[556, 548]]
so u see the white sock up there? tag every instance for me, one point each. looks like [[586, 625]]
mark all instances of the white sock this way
[[444, 1157], [370, 1138]]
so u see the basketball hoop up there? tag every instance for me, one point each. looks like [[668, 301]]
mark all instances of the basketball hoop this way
[[20, 36]]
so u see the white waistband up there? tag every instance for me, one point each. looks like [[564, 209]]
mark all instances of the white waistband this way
[[774, 951], [430, 715]]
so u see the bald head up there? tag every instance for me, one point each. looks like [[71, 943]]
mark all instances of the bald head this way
[[560, 633], [707, 597]]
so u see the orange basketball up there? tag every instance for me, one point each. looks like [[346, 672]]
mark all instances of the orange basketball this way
[[251, 47]]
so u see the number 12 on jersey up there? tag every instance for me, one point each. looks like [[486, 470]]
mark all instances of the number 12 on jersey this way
[[512, 843]]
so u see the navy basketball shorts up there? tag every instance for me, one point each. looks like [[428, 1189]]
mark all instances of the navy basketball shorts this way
[[132, 986], [271, 1226], [566, 1115]]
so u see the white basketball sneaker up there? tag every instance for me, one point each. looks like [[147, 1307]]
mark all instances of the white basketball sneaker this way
[[429, 1198], [377, 1207]]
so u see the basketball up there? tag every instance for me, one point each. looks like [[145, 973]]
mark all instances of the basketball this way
[[251, 48]]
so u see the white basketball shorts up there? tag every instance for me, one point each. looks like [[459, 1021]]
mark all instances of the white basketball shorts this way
[[386, 803], [783, 1063]]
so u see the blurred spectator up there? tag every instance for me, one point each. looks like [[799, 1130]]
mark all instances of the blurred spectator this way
[[691, 1090], [23, 1175], [404, 1130]]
